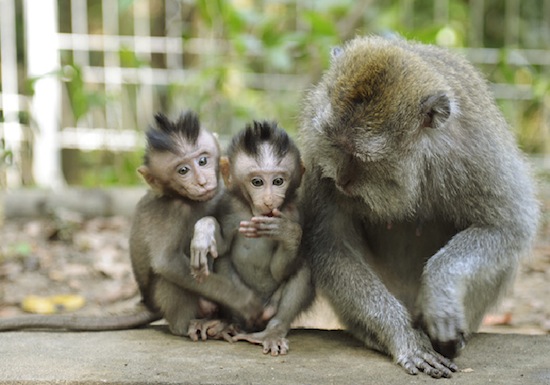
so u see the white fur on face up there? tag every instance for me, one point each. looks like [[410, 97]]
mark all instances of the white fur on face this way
[[192, 172], [265, 180]]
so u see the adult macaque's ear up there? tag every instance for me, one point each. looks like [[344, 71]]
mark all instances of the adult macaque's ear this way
[[303, 167], [224, 169], [335, 52], [435, 109], [149, 178]]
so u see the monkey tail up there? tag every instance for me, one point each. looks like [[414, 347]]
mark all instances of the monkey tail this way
[[138, 318]]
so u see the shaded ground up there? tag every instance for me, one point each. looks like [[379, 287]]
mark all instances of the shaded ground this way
[[321, 357], [66, 254]]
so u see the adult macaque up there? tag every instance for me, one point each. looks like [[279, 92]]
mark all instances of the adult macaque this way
[[418, 204], [181, 165], [261, 229]]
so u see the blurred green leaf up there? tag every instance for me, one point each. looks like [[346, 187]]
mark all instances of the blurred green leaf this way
[[128, 58], [82, 100], [506, 71], [123, 5], [22, 249], [264, 38], [279, 58], [320, 24]]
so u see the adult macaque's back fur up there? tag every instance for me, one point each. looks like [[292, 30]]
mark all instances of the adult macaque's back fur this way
[[418, 203]]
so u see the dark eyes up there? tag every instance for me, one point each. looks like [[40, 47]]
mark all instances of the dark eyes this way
[[203, 161], [183, 170], [258, 182]]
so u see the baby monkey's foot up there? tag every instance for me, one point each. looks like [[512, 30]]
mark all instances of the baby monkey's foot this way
[[214, 329], [272, 343]]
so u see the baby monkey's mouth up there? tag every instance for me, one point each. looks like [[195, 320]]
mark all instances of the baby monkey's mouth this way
[[206, 194]]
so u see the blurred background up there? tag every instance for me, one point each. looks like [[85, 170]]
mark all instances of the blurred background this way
[[81, 80]]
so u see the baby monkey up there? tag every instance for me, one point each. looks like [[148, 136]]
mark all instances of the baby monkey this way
[[259, 232], [181, 165]]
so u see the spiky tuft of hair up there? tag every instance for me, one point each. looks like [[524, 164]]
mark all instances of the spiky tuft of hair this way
[[254, 135], [162, 137]]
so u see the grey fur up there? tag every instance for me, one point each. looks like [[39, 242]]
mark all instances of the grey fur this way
[[412, 213]]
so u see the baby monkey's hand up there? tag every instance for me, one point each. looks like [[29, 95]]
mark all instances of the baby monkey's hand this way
[[203, 244], [264, 226]]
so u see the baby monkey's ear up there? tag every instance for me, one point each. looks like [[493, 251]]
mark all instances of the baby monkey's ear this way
[[225, 170], [149, 178]]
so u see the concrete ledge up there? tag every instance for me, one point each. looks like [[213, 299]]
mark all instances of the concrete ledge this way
[[153, 356]]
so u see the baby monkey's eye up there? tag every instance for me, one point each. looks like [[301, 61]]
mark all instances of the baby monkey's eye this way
[[183, 170], [257, 182], [203, 161], [278, 181]]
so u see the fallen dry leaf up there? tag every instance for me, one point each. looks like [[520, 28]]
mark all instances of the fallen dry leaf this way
[[51, 305], [498, 319]]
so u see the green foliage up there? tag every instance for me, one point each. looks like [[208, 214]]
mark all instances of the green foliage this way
[[267, 52], [258, 40], [128, 58], [82, 100], [105, 168], [123, 5], [531, 121], [6, 155], [15, 251]]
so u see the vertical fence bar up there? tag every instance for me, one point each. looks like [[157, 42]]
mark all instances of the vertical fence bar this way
[[79, 25], [11, 129], [477, 14], [173, 22], [441, 11], [113, 76], [81, 53], [142, 28], [511, 34], [42, 64], [545, 42], [407, 13]]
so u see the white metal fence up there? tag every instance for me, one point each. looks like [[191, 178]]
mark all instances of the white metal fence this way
[[46, 126]]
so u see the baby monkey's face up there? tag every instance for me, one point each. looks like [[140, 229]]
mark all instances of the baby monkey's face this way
[[193, 171], [264, 179]]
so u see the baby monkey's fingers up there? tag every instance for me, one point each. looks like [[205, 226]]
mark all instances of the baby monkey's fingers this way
[[248, 229], [275, 215], [199, 265]]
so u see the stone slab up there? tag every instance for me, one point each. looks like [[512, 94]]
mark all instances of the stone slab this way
[[153, 356]]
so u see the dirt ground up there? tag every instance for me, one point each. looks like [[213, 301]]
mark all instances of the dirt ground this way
[[66, 254]]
